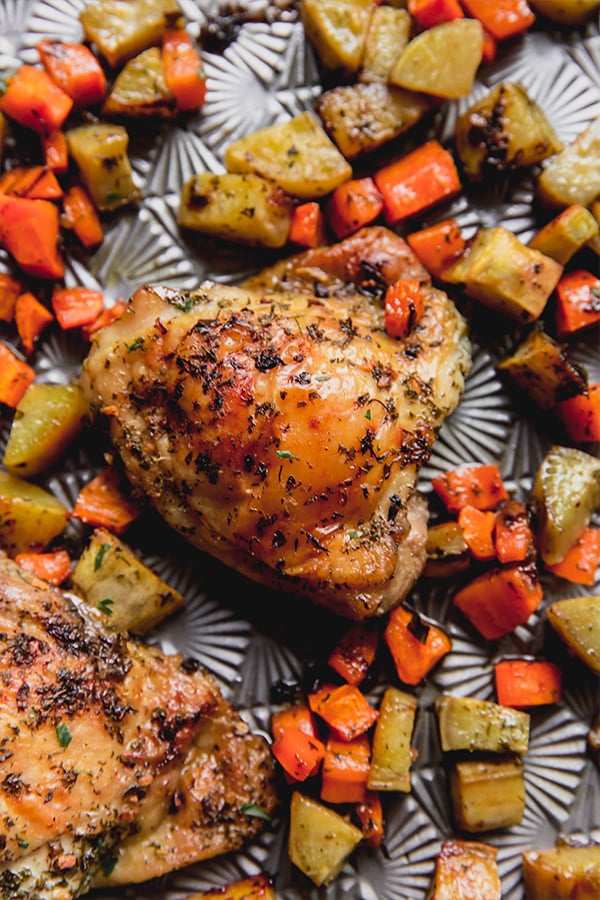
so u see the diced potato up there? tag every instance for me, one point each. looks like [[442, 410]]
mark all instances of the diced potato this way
[[447, 551], [540, 367], [567, 233], [573, 175], [110, 577], [320, 840], [566, 491], [466, 723], [498, 270], [257, 887], [442, 60], [338, 29], [567, 12], [392, 752], [243, 208], [123, 28], [296, 154], [487, 794], [505, 130], [360, 118], [562, 873], [466, 869], [47, 419], [30, 517], [577, 621], [140, 89], [388, 34], [100, 151]]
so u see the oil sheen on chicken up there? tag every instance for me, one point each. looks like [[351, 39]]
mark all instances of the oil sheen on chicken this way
[[278, 427], [118, 763]]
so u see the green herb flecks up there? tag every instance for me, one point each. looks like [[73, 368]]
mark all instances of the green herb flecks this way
[[63, 735]]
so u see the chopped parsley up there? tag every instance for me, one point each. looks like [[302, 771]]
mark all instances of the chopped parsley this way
[[139, 342], [107, 864], [106, 606], [285, 454], [100, 556], [252, 809], [64, 735]]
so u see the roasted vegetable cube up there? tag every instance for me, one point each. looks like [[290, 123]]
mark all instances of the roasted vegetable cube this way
[[542, 369], [387, 36], [562, 873], [30, 517], [140, 89], [100, 151], [392, 751], [465, 869], [573, 175], [577, 621], [123, 28], [320, 840], [338, 30], [447, 551], [466, 723], [487, 794], [564, 235]]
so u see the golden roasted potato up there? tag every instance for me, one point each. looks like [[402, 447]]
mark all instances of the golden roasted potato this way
[[320, 840], [140, 89], [392, 752], [447, 551], [573, 175], [567, 233], [498, 270], [442, 60], [256, 887], [338, 30], [244, 208], [113, 579], [123, 28], [567, 12], [47, 419], [387, 36], [360, 118], [540, 366], [566, 491], [297, 155], [466, 723], [100, 151], [577, 621], [30, 517], [465, 869], [487, 794], [562, 873], [505, 130]]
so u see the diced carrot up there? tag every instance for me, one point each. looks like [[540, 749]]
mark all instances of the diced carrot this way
[[502, 18], [499, 601], [581, 561], [108, 315], [370, 815], [355, 653], [29, 230], [345, 709], [297, 716], [75, 69], [103, 504], [10, 289], [577, 302], [34, 182], [580, 415], [80, 214], [345, 770], [183, 70], [76, 306], [31, 317], [478, 531], [56, 151], [438, 246], [428, 13], [308, 225], [416, 646], [53, 567], [489, 49], [15, 377], [34, 100], [353, 205], [298, 753], [527, 682], [404, 307], [420, 179], [513, 537], [478, 486]]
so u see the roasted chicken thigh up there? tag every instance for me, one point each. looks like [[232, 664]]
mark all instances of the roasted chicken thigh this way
[[277, 426]]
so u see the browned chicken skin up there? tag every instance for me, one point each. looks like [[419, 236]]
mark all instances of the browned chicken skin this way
[[117, 762], [281, 431]]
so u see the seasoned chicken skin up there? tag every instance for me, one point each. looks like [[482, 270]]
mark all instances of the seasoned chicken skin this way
[[281, 431], [116, 761]]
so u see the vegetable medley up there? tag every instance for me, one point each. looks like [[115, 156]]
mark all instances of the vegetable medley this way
[[340, 745]]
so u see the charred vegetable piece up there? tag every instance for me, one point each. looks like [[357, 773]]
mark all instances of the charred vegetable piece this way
[[465, 869], [30, 517], [562, 873], [577, 621], [338, 30], [320, 840], [121, 30], [140, 89], [573, 175], [100, 151], [541, 368], [256, 887], [487, 794], [466, 723], [567, 233], [447, 551]]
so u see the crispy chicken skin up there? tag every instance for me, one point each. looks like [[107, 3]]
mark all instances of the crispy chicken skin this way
[[281, 431], [117, 762]]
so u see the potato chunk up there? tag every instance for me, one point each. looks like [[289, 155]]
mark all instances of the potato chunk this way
[[573, 175], [567, 12], [541, 368], [244, 208], [577, 621], [100, 151], [442, 60], [447, 551], [320, 840], [338, 29], [123, 28], [466, 723], [466, 869], [112, 578], [487, 794], [562, 873], [392, 752], [296, 154], [567, 233], [30, 517], [388, 34], [140, 89]]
